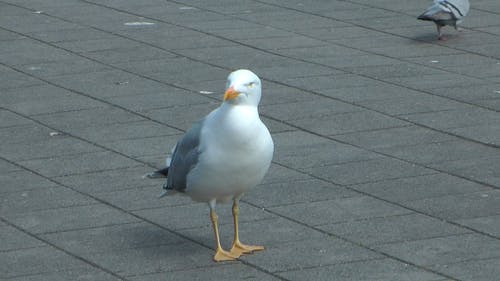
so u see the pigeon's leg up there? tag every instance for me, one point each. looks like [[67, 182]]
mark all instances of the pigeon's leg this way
[[440, 34], [220, 254], [238, 247], [458, 28]]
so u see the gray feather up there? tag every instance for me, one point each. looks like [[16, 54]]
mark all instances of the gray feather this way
[[184, 158], [446, 12]]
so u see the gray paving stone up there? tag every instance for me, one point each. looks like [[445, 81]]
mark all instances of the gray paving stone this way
[[483, 133], [280, 174], [481, 270], [338, 78], [276, 94], [36, 260], [319, 252], [304, 151], [493, 104], [375, 269], [10, 119], [220, 272], [407, 135], [34, 22], [112, 238], [327, 82], [65, 67], [487, 224], [454, 118], [190, 114], [392, 229], [439, 152], [483, 169], [269, 195], [69, 218], [435, 81], [371, 170], [393, 70], [79, 164], [444, 250], [196, 215], [277, 231], [106, 83], [88, 117], [13, 239], [45, 99], [349, 122], [154, 259], [469, 93], [42, 199], [108, 180], [339, 210], [67, 35], [13, 179], [140, 198], [413, 104], [86, 273], [144, 146], [279, 42], [57, 146], [322, 107], [96, 44], [28, 133], [460, 206], [34, 54], [11, 80], [420, 187], [125, 131], [292, 70], [154, 65], [372, 92]]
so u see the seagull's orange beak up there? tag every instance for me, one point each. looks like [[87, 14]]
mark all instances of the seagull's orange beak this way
[[230, 94]]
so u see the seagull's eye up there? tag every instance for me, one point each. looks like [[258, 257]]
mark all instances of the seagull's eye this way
[[251, 84]]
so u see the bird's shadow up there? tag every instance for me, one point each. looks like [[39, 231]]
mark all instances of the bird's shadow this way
[[154, 241], [433, 38]]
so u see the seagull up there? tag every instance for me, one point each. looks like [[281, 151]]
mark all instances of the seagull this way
[[446, 12], [222, 156]]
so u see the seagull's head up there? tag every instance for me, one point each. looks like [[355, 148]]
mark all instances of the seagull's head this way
[[243, 88]]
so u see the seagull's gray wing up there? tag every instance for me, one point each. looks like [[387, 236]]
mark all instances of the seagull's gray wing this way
[[184, 158]]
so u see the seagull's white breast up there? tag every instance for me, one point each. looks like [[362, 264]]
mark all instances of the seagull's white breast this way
[[236, 150]]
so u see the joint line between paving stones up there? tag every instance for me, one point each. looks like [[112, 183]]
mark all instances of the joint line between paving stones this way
[[123, 211], [95, 265]]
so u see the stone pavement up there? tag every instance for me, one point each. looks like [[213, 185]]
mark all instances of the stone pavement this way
[[387, 163]]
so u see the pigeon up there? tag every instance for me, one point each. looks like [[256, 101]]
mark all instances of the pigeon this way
[[446, 12], [222, 156]]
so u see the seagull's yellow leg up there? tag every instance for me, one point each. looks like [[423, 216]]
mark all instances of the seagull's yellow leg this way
[[220, 254], [238, 247]]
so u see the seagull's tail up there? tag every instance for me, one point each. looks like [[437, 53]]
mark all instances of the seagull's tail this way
[[163, 173]]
